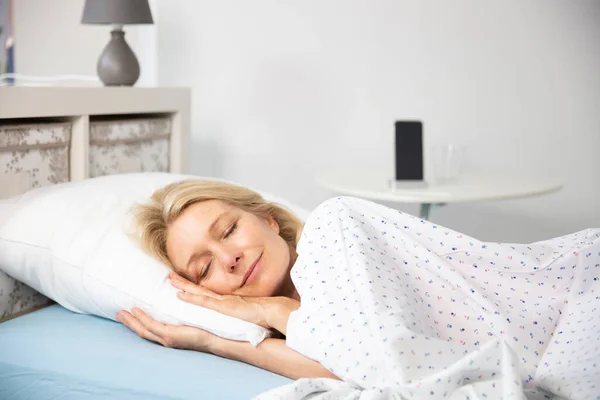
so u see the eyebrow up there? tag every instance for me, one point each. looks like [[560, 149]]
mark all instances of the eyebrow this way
[[211, 229]]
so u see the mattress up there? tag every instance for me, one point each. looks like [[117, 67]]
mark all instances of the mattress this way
[[56, 354]]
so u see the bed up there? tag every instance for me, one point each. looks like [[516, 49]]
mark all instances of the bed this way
[[54, 135], [53, 353]]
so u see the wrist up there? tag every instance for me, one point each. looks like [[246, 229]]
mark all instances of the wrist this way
[[277, 312], [232, 349], [217, 346]]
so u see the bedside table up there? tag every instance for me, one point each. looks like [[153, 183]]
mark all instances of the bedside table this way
[[466, 189]]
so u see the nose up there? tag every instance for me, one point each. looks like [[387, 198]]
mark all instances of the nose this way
[[228, 258]]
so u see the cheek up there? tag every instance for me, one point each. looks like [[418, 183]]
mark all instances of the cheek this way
[[254, 235], [247, 235], [216, 287], [280, 258], [218, 284]]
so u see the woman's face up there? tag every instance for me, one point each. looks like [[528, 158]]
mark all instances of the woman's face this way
[[228, 250]]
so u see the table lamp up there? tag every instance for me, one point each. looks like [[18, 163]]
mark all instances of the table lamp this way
[[117, 65]]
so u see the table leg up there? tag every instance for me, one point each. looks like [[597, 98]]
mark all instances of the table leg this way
[[426, 208], [425, 211]]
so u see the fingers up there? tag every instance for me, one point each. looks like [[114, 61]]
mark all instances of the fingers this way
[[155, 327], [233, 306], [189, 287], [174, 276], [149, 328], [135, 325], [201, 300]]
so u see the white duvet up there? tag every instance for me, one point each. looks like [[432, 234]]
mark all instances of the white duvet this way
[[401, 308]]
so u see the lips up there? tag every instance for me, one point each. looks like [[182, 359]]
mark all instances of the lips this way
[[251, 269]]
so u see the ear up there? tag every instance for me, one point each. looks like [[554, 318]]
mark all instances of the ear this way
[[272, 223]]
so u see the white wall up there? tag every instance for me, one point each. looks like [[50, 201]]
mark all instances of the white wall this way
[[285, 89], [50, 40]]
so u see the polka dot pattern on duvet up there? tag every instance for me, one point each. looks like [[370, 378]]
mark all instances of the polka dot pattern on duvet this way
[[396, 304]]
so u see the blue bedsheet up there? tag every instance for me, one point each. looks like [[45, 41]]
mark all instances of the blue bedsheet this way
[[56, 354]]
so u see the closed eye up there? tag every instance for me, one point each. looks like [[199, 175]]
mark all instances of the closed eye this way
[[204, 272], [231, 229], [206, 269]]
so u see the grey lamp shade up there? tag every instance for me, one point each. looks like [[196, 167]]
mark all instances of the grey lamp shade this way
[[118, 12]]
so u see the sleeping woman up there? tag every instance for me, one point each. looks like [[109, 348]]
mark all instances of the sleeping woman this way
[[231, 251], [381, 302]]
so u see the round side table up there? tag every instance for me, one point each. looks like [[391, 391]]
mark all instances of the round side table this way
[[373, 186]]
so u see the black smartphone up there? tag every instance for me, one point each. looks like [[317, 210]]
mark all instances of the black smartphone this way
[[409, 151]]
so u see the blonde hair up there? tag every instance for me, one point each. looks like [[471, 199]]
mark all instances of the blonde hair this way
[[152, 219]]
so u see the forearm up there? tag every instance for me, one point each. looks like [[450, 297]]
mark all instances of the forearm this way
[[273, 355]]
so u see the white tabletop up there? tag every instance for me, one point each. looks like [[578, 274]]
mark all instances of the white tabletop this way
[[376, 186]]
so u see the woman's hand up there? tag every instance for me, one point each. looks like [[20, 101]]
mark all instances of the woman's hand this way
[[246, 308], [271, 354], [180, 337], [268, 312]]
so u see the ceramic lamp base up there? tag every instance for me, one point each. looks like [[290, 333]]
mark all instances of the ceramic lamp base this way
[[118, 65]]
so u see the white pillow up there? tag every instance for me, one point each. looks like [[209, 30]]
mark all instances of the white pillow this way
[[68, 241]]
